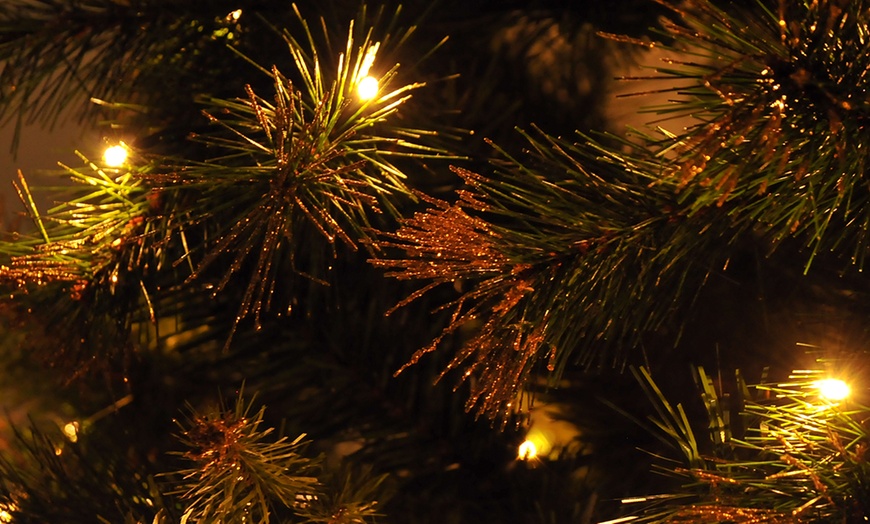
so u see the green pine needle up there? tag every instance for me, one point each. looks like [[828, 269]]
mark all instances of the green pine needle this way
[[553, 249], [240, 473], [780, 137], [802, 458], [314, 157], [86, 238]]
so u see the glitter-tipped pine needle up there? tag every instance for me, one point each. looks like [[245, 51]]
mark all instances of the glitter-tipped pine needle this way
[[240, 472], [96, 237], [317, 158], [91, 267], [550, 252], [800, 455], [777, 95]]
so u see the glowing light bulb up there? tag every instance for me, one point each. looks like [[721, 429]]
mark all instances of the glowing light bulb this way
[[527, 451], [71, 430], [367, 88], [234, 15], [115, 156], [832, 389], [5, 512]]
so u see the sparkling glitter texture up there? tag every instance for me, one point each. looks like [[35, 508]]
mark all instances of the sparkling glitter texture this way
[[446, 245], [778, 98]]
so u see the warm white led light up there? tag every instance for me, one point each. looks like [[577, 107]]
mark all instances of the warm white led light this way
[[115, 156], [833, 389], [5, 512], [527, 451], [367, 88], [71, 430]]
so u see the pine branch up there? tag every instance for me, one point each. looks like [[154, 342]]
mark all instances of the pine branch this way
[[777, 93], [240, 475], [657, 225], [563, 254], [73, 477], [318, 159], [350, 496], [80, 238], [58, 55], [89, 270], [801, 458]]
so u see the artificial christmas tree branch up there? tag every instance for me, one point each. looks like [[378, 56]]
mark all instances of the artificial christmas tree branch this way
[[780, 137], [525, 269], [57, 477], [319, 159], [237, 474], [798, 457], [554, 249], [322, 158], [695, 194], [57, 55]]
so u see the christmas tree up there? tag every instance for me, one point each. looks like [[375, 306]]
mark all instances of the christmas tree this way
[[456, 262]]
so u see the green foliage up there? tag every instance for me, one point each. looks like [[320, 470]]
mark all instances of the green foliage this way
[[579, 252], [80, 239], [239, 474], [776, 92], [315, 158], [227, 251], [89, 266], [317, 161], [76, 478], [553, 248], [58, 55], [241, 471], [350, 495], [794, 456]]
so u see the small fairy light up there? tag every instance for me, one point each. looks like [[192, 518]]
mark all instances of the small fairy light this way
[[71, 430], [527, 451], [367, 88], [115, 156], [6, 512], [234, 16], [366, 85], [833, 389], [536, 446]]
